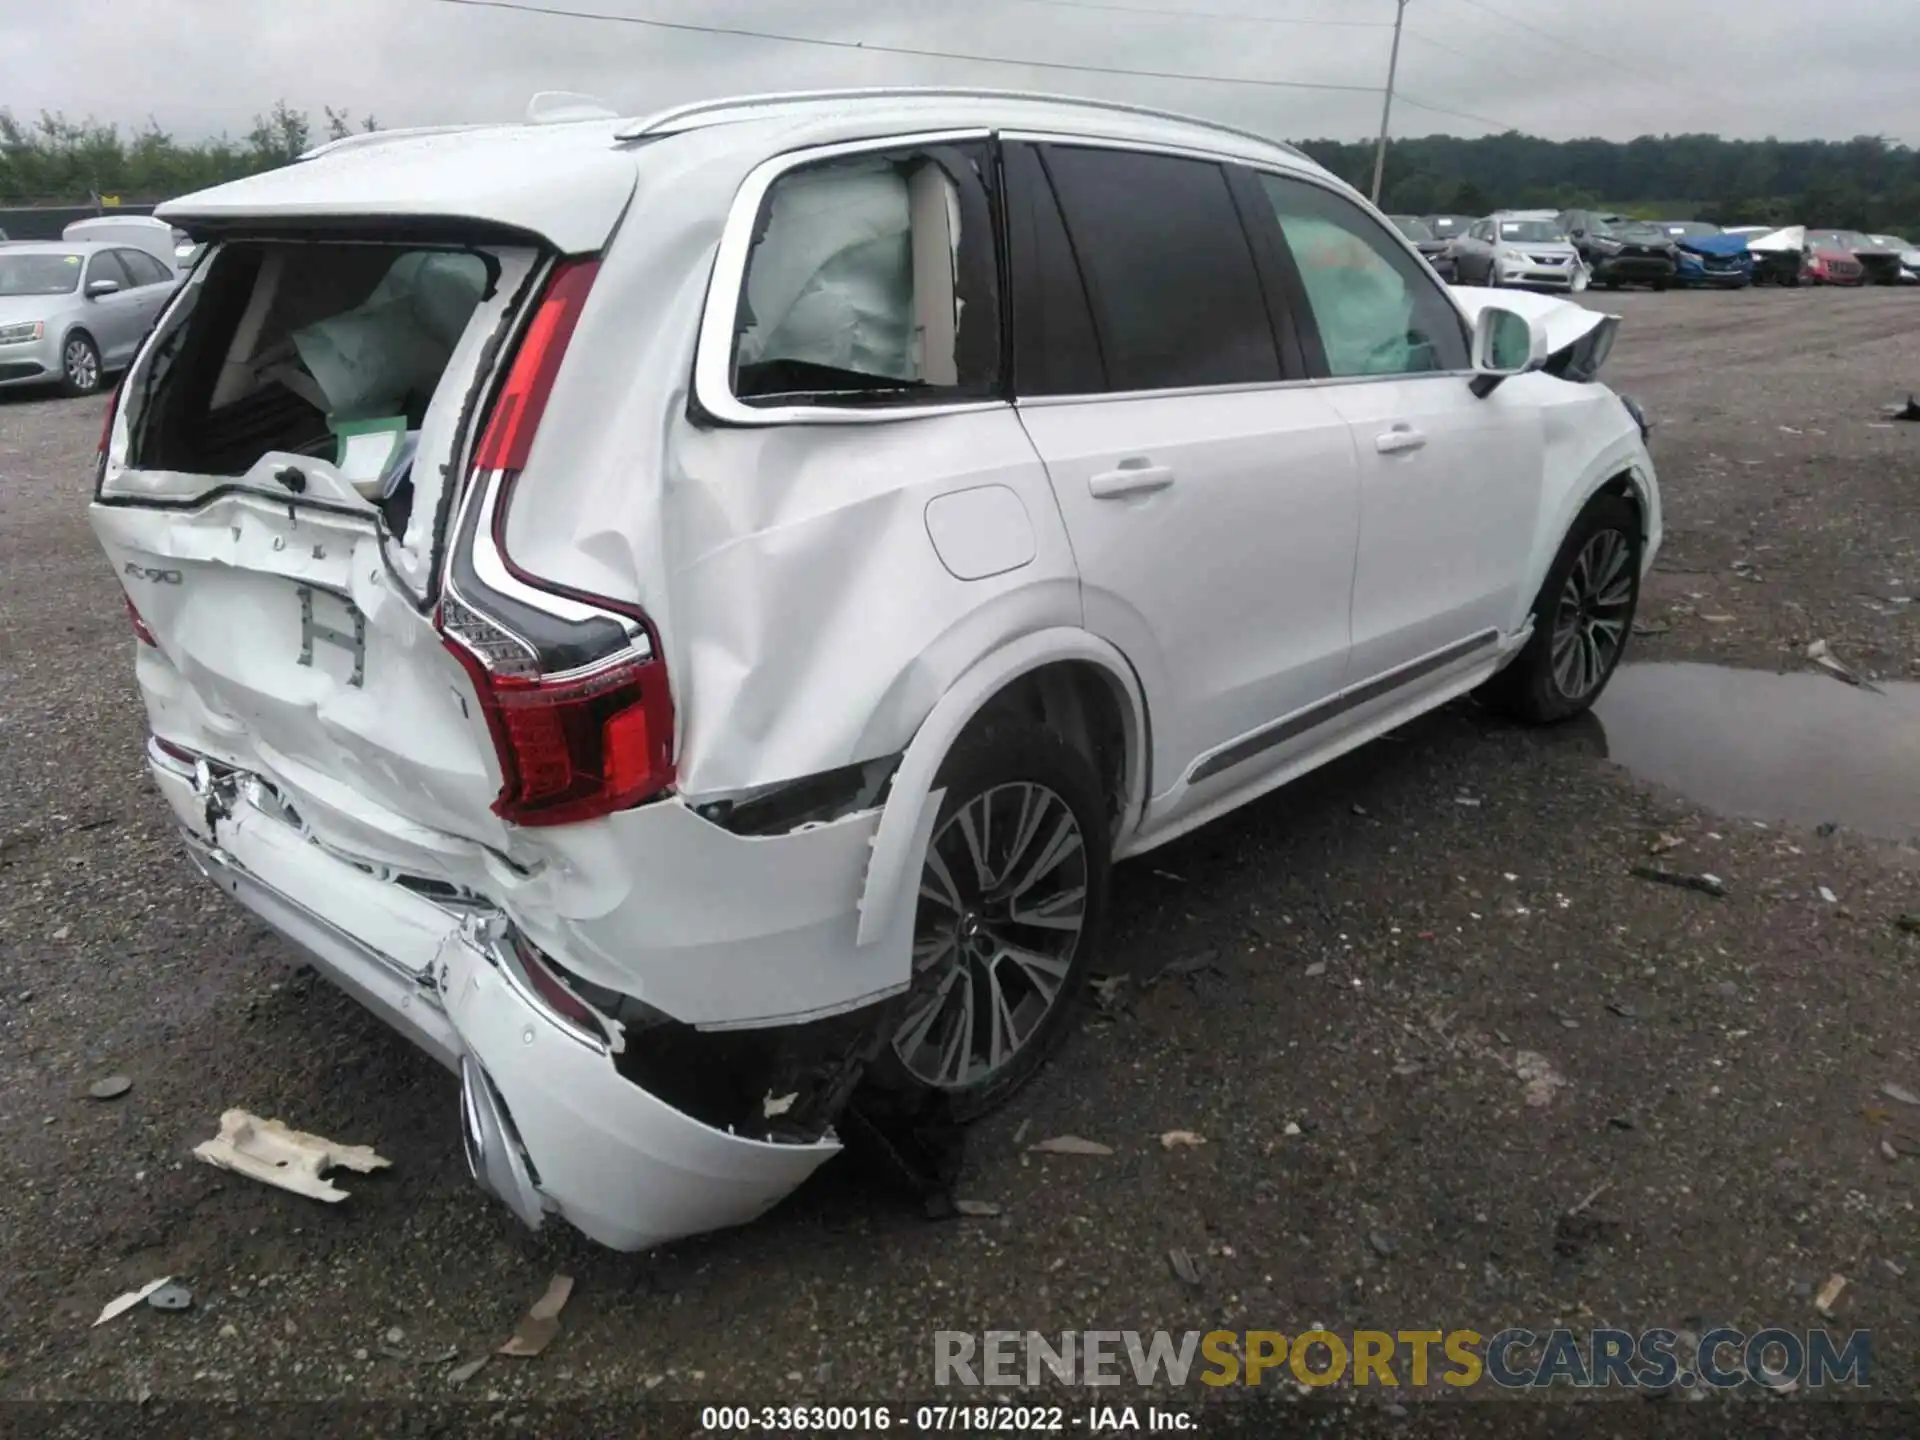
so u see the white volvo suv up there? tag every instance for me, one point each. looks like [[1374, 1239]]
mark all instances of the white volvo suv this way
[[681, 616]]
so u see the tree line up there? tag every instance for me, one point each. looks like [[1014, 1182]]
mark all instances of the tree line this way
[[58, 161], [1867, 183]]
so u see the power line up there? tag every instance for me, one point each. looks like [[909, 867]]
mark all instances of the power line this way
[[1427, 39], [1406, 99], [520, 7], [1216, 15]]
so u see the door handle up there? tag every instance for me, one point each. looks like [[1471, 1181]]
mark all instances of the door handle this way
[[1134, 477], [1400, 440]]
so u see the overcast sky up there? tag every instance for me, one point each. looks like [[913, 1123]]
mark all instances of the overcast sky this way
[[1750, 68]]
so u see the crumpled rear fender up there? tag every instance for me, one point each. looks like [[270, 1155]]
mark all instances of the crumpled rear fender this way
[[894, 868]]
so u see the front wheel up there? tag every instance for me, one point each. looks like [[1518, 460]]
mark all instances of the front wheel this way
[[1582, 618], [80, 372], [1012, 902]]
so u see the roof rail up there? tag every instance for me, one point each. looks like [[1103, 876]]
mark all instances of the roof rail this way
[[362, 139], [665, 120]]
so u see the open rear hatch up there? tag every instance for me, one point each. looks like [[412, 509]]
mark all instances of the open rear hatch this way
[[279, 491]]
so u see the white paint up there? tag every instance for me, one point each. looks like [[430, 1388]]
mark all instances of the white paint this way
[[980, 532]]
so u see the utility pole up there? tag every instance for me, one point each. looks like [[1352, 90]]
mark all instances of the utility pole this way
[[1386, 110]]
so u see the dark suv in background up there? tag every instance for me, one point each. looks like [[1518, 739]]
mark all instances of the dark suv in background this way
[[1436, 251], [1620, 250]]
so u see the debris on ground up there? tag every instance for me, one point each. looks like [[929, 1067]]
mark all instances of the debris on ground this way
[[1071, 1145], [1650, 628], [1828, 896], [171, 1296], [460, 1374], [1821, 654], [1536, 1072], [1705, 884], [1382, 1243], [1665, 843], [1316, 970], [976, 1209], [1908, 411], [1182, 1265], [1829, 1294], [1900, 1093], [1174, 1139], [1908, 923], [540, 1324], [267, 1151], [1020, 1132], [123, 1303], [1624, 1011], [111, 1087], [1108, 992]]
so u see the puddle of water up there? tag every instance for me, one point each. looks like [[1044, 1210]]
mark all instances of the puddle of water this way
[[1798, 747]]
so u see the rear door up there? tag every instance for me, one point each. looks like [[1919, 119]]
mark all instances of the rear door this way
[[1209, 492], [1450, 483]]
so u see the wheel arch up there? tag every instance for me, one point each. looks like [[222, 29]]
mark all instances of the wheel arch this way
[[1076, 680]]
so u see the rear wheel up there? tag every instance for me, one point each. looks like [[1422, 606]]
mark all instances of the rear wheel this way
[[1582, 618], [80, 372], [1012, 901]]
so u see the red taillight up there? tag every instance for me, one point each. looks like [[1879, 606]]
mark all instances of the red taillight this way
[[563, 1001], [139, 625], [574, 748], [522, 399], [106, 435]]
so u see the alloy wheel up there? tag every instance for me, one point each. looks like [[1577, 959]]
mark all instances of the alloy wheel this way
[[1596, 606], [1003, 904], [82, 365]]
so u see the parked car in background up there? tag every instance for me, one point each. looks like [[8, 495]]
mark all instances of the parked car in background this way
[[1779, 256], [71, 313], [136, 232], [1909, 255], [1706, 256], [1435, 251], [673, 795], [1879, 264], [1448, 227], [1621, 250], [1519, 248]]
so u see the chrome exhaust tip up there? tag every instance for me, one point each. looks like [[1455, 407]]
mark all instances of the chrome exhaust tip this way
[[495, 1158]]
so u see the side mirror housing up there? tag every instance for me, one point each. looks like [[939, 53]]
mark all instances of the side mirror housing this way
[[97, 288], [1505, 344]]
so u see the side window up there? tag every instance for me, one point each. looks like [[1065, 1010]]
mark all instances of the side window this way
[[1055, 351], [1169, 271], [143, 267], [1378, 310], [104, 266], [872, 279]]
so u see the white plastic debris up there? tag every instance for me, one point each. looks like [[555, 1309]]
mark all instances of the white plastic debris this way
[[123, 1303], [267, 1151]]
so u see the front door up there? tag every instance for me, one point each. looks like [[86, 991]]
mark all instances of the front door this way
[[1450, 483]]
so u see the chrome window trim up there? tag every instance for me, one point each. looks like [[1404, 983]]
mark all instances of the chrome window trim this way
[[713, 353]]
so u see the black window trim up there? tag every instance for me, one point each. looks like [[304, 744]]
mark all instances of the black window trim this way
[[123, 278], [711, 398], [120, 253]]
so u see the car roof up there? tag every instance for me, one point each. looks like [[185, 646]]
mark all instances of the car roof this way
[[61, 247], [568, 179]]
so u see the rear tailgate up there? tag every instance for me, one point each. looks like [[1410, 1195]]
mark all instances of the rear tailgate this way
[[276, 492]]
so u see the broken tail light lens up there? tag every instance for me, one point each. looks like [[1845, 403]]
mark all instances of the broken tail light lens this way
[[575, 740], [575, 747], [140, 627], [562, 1001]]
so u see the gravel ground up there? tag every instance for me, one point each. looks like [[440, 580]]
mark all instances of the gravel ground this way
[[1383, 943]]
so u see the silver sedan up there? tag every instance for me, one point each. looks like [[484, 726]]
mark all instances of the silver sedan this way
[[70, 314]]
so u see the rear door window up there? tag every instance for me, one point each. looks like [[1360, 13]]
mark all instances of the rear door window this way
[[873, 279], [144, 269], [1379, 311], [1169, 271]]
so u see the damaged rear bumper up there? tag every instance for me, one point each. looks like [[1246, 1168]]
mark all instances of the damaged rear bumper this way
[[551, 1126]]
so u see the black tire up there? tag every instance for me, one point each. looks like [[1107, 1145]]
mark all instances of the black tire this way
[[1609, 284], [1661, 286], [993, 761], [81, 372], [1530, 689]]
